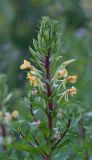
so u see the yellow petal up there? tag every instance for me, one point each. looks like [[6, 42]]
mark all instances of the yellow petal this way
[[26, 65]]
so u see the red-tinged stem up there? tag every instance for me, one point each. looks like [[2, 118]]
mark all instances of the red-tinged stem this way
[[49, 91], [3, 135], [48, 158]]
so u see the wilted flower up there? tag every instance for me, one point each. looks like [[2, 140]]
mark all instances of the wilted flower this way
[[26, 65], [63, 73], [72, 91], [72, 79], [15, 114]]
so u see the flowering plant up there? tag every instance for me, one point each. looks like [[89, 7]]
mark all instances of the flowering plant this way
[[50, 107]]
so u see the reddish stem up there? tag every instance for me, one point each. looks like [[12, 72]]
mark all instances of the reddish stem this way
[[48, 158], [3, 135], [49, 92]]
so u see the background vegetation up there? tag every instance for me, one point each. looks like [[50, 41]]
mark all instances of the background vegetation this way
[[19, 21]]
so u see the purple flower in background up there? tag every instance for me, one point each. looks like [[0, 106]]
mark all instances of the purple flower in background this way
[[80, 32], [15, 55]]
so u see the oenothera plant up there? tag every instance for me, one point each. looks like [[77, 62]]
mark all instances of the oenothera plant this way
[[50, 90]]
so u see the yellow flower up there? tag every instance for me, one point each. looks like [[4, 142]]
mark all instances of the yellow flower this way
[[63, 73], [31, 77], [72, 91], [15, 114], [72, 79], [34, 80], [26, 65]]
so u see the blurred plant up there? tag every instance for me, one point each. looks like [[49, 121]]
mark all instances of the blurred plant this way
[[6, 117], [10, 68], [51, 112], [78, 45], [87, 7]]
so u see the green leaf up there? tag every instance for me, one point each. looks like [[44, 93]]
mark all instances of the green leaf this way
[[24, 147], [63, 144], [68, 62]]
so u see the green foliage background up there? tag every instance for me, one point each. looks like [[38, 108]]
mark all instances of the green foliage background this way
[[19, 21]]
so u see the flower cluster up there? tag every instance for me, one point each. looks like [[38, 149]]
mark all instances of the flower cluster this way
[[32, 75], [63, 73], [34, 80]]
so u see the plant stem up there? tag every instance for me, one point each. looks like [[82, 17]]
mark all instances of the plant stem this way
[[3, 135], [48, 158], [49, 91], [82, 133]]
